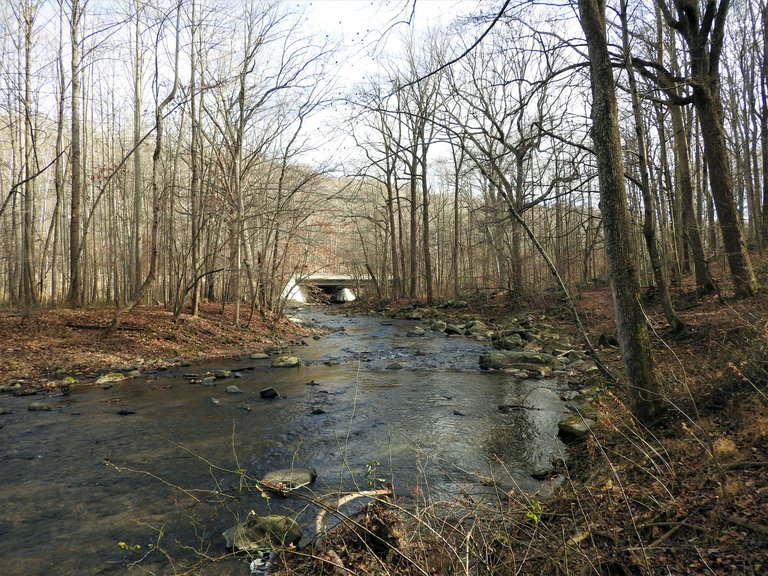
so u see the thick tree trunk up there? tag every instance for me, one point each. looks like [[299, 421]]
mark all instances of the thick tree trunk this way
[[635, 345], [75, 297], [721, 182], [704, 35]]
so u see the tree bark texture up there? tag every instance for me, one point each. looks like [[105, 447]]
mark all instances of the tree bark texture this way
[[633, 337]]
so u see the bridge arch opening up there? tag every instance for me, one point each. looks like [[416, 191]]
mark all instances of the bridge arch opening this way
[[310, 289]]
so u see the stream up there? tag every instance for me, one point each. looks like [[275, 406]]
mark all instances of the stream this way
[[88, 486]]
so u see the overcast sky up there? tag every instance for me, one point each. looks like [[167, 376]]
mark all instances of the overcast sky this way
[[364, 30]]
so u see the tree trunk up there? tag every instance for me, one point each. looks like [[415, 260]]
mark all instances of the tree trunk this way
[[425, 224], [28, 288], [649, 222], [721, 182], [704, 36], [633, 338], [135, 260], [414, 221], [764, 120], [194, 187], [75, 297]]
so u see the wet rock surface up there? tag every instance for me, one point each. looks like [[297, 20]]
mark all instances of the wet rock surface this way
[[263, 532]]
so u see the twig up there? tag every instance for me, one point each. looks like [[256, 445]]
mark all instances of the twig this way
[[344, 500], [754, 526]]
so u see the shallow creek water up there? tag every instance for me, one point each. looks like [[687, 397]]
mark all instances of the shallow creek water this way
[[433, 427]]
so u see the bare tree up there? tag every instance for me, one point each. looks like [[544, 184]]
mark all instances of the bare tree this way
[[704, 34], [658, 265], [156, 156]]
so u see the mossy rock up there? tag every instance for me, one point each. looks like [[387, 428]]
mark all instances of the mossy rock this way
[[521, 360], [286, 362], [111, 377], [574, 428]]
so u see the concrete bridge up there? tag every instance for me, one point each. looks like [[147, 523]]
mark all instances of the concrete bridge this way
[[339, 287]]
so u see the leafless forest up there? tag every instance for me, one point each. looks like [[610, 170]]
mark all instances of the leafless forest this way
[[166, 152]]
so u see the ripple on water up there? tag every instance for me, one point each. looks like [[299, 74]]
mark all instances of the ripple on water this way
[[434, 425]]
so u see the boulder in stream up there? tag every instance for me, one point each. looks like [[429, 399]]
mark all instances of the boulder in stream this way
[[286, 361], [415, 332], [232, 389], [453, 329], [110, 378], [438, 326], [511, 342], [516, 360], [263, 532], [221, 374], [259, 356], [11, 387], [477, 328], [288, 479], [269, 393], [574, 428]]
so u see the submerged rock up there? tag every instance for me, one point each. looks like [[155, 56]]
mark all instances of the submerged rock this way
[[233, 390], [260, 532], [221, 374], [39, 407], [286, 362]]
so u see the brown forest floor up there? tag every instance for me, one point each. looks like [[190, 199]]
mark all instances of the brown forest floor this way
[[688, 497], [45, 344]]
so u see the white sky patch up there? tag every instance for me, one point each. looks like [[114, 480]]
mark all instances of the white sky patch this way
[[366, 31]]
